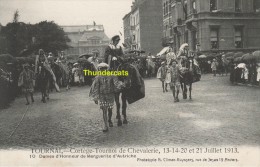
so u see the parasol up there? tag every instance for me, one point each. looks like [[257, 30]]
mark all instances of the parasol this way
[[241, 65], [247, 57], [256, 55], [202, 56], [229, 54], [87, 55], [238, 54], [237, 59]]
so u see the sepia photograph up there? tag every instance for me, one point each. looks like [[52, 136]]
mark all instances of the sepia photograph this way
[[130, 83]]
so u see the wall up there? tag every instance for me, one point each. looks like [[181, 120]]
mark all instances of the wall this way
[[151, 26]]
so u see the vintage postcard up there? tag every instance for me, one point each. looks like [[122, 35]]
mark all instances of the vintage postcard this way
[[130, 83]]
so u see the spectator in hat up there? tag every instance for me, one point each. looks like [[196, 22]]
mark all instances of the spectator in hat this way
[[27, 82], [103, 92], [214, 65], [75, 72]]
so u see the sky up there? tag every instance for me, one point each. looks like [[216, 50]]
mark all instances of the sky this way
[[69, 12]]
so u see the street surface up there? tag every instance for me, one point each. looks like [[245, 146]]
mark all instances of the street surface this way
[[220, 114]]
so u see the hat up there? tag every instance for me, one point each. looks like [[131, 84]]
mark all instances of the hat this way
[[75, 64], [41, 51], [103, 65], [115, 37], [174, 60]]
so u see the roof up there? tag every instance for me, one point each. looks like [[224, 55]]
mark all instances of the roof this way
[[127, 15], [94, 34], [82, 28]]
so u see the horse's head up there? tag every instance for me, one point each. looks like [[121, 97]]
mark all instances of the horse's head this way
[[126, 68]]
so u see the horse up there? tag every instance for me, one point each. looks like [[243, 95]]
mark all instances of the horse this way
[[44, 80], [186, 76], [88, 66], [142, 66], [133, 91], [57, 70]]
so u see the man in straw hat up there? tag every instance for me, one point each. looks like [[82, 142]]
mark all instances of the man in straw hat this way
[[103, 91], [27, 82]]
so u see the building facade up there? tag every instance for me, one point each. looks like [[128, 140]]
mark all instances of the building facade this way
[[86, 39], [216, 25], [143, 26]]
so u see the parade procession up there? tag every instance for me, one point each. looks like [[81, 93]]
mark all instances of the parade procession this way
[[138, 73]]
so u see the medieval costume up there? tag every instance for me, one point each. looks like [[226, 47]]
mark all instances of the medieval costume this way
[[103, 90], [161, 74], [214, 65], [175, 80], [27, 82], [41, 60], [113, 53]]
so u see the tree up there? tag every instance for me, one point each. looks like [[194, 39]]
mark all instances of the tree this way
[[16, 16], [20, 39], [50, 37]]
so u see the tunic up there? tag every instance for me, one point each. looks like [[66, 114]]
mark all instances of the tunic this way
[[111, 52], [103, 89], [161, 74], [175, 76], [26, 81]]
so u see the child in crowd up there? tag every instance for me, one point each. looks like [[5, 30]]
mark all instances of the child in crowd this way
[[27, 82], [175, 80], [103, 90], [214, 65], [161, 74]]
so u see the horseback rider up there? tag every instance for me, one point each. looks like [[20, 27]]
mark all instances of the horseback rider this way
[[42, 61], [113, 53]]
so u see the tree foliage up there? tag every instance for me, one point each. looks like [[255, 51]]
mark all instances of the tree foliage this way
[[21, 39]]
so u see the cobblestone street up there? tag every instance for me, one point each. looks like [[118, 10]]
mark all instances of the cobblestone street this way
[[219, 114]]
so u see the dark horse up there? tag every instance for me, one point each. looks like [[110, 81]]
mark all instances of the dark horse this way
[[186, 76], [44, 79], [134, 90], [189, 74]]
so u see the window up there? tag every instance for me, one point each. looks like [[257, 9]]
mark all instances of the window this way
[[239, 37], [193, 7], [237, 5], [186, 36], [166, 8], [169, 7], [256, 6], [95, 41], [213, 5], [214, 38]]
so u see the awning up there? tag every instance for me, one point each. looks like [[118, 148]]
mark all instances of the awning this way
[[163, 51]]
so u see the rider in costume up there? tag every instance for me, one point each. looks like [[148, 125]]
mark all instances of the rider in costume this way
[[113, 53], [41, 60]]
